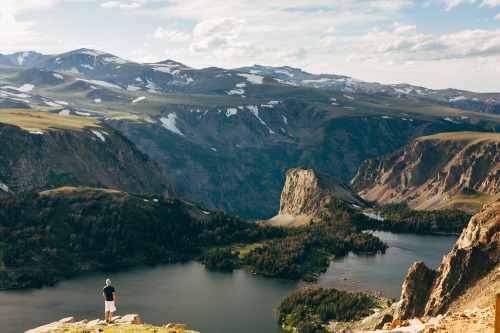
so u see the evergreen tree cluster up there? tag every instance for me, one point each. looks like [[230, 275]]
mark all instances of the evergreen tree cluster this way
[[400, 218], [308, 310]]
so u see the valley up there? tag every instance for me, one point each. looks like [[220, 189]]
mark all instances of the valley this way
[[198, 131], [110, 164]]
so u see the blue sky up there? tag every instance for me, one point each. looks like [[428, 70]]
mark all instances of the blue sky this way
[[435, 43]]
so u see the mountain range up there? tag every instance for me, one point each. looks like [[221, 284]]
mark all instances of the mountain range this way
[[173, 77], [227, 138]]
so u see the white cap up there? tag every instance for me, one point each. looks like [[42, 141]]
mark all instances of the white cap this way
[[108, 281]]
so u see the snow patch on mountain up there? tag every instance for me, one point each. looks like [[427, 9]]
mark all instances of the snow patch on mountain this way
[[169, 123], [65, 112], [138, 99], [255, 111], [23, 88], [151, 86], [36, 132], [4, 187], [50, 103], [231, 112], [80, 113], [20, 59], [457, 98], [132, 88], [98, 100], [322, 80], [99, 135], [73, 70], [404, 91], [252, 78], [94, 53], [115, 60], [238, 90], [59, 76], [101, 83]]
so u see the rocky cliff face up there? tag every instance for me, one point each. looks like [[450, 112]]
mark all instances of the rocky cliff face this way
[[95, 157], [431, 171], [305, 193], [475, 255]]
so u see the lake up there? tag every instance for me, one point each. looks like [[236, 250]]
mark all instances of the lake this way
[[386, 273], [211, 301]]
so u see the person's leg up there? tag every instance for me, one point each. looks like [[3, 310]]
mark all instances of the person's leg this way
[[106, 315], [110, 316]]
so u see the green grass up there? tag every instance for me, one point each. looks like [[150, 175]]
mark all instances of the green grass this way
[[81, 190], [30, 120], [467, 137], [472, 200], [244, 248], [117, 329]]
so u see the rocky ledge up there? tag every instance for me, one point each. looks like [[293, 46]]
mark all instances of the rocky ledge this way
[[467, 321], [119, 324]]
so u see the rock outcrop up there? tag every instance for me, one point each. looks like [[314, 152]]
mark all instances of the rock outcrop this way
[[305, 192], [99, 325], [432, 171], [96, 156], [475, 255]]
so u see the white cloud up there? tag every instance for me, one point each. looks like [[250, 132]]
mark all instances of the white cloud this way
[[16, 35], [115, 4], [17, 6], [497, 17], [405, 29], [491, 3], [220, 36], [173, 35], [450, 4], [110, 4]]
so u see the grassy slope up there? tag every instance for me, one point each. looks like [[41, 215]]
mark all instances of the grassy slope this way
[[467, 137], [31, 120], [471, 201], [117, 103]]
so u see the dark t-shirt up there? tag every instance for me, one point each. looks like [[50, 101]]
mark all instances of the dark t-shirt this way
[[108, 291]]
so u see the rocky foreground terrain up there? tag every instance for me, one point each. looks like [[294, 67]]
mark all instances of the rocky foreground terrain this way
[[127, 323]]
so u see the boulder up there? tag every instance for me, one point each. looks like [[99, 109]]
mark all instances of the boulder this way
[[176, 326], [130, 319], [394, 324], [52, 326], [387, 318]]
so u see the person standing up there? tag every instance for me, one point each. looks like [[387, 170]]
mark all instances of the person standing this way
[[108, 292]]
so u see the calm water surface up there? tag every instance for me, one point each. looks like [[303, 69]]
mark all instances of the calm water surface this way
[[210, 301], [207, 301], [386, 273]]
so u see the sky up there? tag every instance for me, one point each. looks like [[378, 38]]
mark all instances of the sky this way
[[431, 43]]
